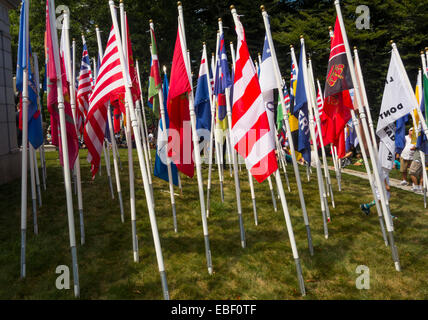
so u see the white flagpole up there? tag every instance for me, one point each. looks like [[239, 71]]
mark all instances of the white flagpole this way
[[380, 184], [365, 99], [195, 139], [424, 172], [144, 136], [129, 139], [291, 142], [235, 160], [318, 123], [277, 174], [113, 139], [287, 125], [310, 98], [211, 143], [33, 188], [72, 88], [63, 133], [218, 138], [143, 169], [232, 52], [24, 155], [168, 159]]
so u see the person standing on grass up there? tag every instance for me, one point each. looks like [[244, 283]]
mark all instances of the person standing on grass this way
[[415, 172], [407, 157]]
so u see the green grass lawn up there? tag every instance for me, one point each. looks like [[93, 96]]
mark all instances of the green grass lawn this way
[[264, 270]]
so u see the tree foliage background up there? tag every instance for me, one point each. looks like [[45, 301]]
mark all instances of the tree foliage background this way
[[405, 21]]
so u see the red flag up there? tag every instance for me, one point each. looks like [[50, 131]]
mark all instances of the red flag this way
[[109, 85], [337, 101], [71, 135], [180, 133]]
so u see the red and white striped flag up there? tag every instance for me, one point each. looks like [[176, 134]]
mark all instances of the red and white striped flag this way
[[251, 134], [109, 85], [320, 106], [84, 88]]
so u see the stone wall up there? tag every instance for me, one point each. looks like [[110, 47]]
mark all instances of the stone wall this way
[[10, 155]]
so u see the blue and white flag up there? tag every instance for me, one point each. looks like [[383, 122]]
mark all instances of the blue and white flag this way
[[222, 78], [400, 134], [202, 97], [35, 132], [161, 169], [268, 82], [301, 113]]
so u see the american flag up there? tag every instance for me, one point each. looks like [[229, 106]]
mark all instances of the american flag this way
[[109, 85], [251, 134], [84, 88], [320, 106]]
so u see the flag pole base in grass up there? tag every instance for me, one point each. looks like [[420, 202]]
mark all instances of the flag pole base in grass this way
[[23, 241], [311, 247], [256, 220], [300, 277], [273, 200], [221, 191], [135, 241], [122, 215], [111, 187], [75, 272], [39, 195], [174, 217], [36, 227], [208, 254], [164, 285], [394, 251], [382, 227], [82, 228]]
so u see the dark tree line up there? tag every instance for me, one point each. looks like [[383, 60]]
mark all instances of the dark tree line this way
[[405, 21]]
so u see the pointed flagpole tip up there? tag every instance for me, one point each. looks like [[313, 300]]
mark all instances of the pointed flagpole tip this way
[[330, 28], [151, 21], [232, 7], [426, 48], [231, 42], [203, 43], [355, 47], [391, 41], [179, 4], [301, 36], [219, 20], [121, 1], [422, 52], [212, 53], [262, 8], [291, 46]]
